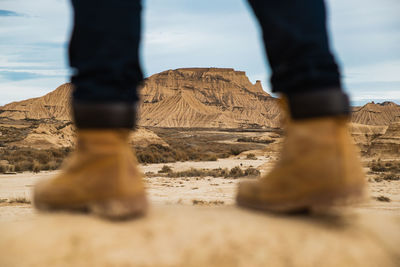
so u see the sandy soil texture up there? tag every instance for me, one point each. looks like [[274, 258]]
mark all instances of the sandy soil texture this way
[[193, 222], [180, 235]]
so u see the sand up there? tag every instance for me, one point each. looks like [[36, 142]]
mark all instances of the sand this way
[[194, 222], [180, 235]]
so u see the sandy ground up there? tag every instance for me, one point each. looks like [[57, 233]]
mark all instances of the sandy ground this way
[[185, 190], [182, 235], [194, 222]]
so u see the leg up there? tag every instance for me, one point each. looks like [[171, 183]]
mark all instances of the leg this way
[[104, 52], [303, 68], [102, 175], [319, 164]]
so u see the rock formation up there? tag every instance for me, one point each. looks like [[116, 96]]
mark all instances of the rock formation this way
[[364, 134], [199, 98], [376, 114], [376, 129], [47, 136], [196, 97], [388, 144], [206, 97], [54, 105]]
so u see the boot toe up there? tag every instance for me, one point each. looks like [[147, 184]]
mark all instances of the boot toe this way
[[247, 192]]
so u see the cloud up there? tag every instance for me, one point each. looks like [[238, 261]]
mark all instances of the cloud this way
[[17, 75], [190, 33], [9, 13], [20, 90]]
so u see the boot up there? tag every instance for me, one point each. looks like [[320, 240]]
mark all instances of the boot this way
[[101, 177], [318, 168]]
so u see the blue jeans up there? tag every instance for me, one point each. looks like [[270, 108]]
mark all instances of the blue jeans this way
[[105, 43]]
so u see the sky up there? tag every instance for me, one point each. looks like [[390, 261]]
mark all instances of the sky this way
[[364, 35]]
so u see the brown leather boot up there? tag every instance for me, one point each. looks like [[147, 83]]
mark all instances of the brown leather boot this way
[[319, 167], [101, 177]]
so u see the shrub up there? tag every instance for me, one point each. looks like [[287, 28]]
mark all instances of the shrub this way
[[251, 172], [36, 167], [235, 151], [24, 165], [236, 172], [254, 140], [22, 200], [251, 156], [165, 169], [390, 166], [383, 198], [391, 177], [3, 168], [27, 159]]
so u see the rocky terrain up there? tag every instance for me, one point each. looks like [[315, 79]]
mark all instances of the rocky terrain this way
[[206, 97], [198, 97], [189, 98]]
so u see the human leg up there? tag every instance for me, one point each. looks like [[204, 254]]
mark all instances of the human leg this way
[[318, 164], [102, 174]]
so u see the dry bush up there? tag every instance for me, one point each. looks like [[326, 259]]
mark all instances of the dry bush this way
[[251, 172], [391, 177], [387, 166], [28, 159], [254, 140], [165, 169], [190, 144], [251, 156], [383, 198], [235, 172], [203, 202], [22, 200]]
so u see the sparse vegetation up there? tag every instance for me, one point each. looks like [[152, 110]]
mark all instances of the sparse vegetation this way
[[207, 203], [20, 200], [29, 159], [192, 145], [251, 172], [254, 140], [383, 199], [251, 156], [391, 177], [184, 145], [385, 166], [165, 169], [235, 172], [388, 171]]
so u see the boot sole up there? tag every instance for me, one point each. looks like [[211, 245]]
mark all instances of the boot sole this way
[[121, 208], [113, 209], [317, 203]]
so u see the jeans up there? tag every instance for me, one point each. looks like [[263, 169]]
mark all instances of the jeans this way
[[105, 43]]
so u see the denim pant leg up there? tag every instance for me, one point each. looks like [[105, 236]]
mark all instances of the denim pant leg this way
[[104, 52], [303, 67], [296, 44]]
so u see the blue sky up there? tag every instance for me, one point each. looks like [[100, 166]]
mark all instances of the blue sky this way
[[365, 36]]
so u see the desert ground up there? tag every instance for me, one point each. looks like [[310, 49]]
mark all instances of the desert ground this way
[[16, 189], [193, 220]]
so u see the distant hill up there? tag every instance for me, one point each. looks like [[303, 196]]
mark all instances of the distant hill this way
[[54, 105], [376, 114], [206, 97], [194, 97]]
